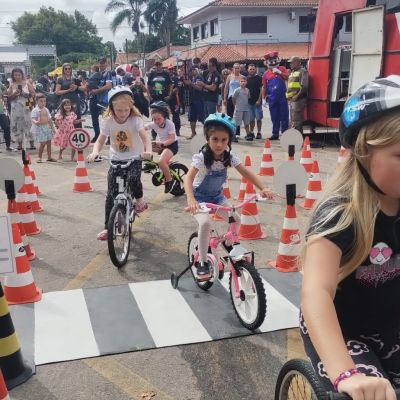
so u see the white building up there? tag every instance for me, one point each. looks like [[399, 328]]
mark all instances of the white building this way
[[251, 21]]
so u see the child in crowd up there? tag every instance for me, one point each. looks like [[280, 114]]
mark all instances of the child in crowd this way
[[122, 122], [166, 143], [350, 321], [206, 176], [240, 100], [65, 121], [42, 127]]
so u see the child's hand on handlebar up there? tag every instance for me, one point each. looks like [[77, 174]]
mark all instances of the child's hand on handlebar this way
[[267, 194], [90, 158], [147, 156], [192, 207]]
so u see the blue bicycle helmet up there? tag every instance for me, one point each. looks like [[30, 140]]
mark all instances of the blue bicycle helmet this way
[[221, 119], [367, 104]]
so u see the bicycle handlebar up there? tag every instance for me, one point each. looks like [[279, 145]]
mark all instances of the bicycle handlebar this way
[[213, 206]]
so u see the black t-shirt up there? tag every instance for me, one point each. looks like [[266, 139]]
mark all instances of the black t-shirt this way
[[367, 301], [64, 85], [209, 79], [45, 83], [254, 83], [159, 83]]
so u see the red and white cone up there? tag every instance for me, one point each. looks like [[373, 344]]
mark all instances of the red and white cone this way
[[314, 187], [81, 182], [30, 190], [243, 183], [3, 388], [33, 175], [306, 159], [250, 227], [26, 213], [289, 245], [20, 288], [343, 153], [227, 192], [266, 167]]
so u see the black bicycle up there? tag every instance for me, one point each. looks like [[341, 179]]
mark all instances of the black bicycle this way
[[298, 381]]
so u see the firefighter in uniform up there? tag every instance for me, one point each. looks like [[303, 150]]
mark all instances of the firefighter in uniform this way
[[297, 92], [274, 91]]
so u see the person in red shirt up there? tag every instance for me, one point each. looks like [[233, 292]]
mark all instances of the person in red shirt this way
[[274, 91]]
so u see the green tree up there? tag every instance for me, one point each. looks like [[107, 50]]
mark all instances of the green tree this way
[[161, 16], [70, 33], [181, 36], [150, 42]]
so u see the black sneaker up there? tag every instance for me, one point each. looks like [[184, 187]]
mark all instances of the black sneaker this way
[[169, 186], [250, 137], [203, 272], [259, 135], [274, 138], [235, 139], [98, 159]]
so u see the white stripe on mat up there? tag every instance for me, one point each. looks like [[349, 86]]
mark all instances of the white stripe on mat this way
[[281, 313], [168, 317], [63, 330]]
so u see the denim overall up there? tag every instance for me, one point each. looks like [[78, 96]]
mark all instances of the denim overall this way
[[211, 189]]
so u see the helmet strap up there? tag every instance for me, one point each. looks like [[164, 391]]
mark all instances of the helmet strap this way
[[367, 178]]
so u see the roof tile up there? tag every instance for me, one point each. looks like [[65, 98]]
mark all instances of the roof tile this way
[[264, 3]]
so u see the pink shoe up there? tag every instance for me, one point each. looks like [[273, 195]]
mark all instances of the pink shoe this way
[[139, 208], [103, 235]]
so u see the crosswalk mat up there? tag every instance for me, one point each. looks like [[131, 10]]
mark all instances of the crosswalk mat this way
[[90, 322]]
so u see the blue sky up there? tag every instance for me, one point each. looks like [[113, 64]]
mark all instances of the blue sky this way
[[92, 9]]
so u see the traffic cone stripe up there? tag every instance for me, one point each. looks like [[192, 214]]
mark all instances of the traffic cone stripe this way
[[314, 188], [81, 164], [266, 164], [292, 249], [312, 195], [343, 153], [290, 224], [20, 278], [27, 218], [266, 167], [9, 345], [81, 179], [29, 190], [249, 219]]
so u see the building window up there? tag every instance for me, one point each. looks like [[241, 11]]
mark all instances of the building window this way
[[214, 27], [304, 24], [348, 23], [204, 30], [196, 33], [254, 24]]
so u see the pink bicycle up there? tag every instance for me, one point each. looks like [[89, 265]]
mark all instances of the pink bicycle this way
[[245, 284]]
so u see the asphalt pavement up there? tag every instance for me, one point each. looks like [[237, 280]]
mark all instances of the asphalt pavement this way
[[70, 257]]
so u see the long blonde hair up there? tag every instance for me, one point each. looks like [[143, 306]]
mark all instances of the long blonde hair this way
[[124, 97], [348, 200]]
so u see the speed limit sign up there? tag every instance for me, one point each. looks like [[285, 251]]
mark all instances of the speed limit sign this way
[[79, 139]]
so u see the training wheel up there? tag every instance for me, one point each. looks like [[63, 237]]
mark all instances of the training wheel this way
[[174, 280]]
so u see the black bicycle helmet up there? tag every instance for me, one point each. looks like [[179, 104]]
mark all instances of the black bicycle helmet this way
[[367, 104], [221, 119], [161, 106]]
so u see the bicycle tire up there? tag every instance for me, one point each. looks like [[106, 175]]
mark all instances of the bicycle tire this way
[[259, 290], [297, 380], [180, 170], [118, 261], [83, 105], [205, 285]]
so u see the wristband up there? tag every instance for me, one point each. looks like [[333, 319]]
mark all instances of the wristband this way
[[344, 375]]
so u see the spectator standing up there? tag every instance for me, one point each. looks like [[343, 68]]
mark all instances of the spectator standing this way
[[231, 84], [240, 99], [45, 82], [159, 84], [196, 102], [99, 95], [4, 120], [254, 83], [137, 85], [224, 75], [67, 87], [274, 91], [243, 70], [181, 92], [20, 97], [297, 92], [174, 100], [212, 80]]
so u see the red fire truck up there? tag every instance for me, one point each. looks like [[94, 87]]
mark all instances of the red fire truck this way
[[354, 41]]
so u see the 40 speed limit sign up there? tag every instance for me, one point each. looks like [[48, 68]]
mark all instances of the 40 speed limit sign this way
[[79, 139]]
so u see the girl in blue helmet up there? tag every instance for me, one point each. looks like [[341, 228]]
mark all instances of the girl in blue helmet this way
[[350, 320], [207, 174]]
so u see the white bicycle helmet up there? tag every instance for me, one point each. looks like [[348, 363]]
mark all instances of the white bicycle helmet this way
[[117, 90]]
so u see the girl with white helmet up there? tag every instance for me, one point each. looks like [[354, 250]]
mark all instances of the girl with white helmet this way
[[123, 124]]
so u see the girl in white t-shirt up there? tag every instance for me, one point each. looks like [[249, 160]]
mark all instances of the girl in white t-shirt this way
[[166, 143], [124, 126]]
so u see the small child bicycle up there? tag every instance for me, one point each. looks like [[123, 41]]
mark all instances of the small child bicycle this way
[[245, 284]]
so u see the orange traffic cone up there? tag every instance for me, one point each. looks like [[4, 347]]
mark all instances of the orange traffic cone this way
[[3, 388], [30, 190], [266, 167], [20, 287], [12, 210], [243, 183], [250, 228], [33, 175], [289, 245], [343, 153], [306, 157], [314, 187], [26, 213], [81, 182], [227, 192]]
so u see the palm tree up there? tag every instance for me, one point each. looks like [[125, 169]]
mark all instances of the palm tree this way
[[129, 10], [161, 15]]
